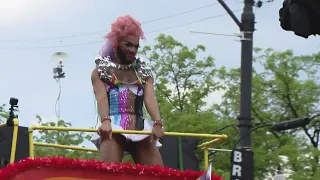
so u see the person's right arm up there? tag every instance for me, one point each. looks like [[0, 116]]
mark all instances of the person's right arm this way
[[101, 95]]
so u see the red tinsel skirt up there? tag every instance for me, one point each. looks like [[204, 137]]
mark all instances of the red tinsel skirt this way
[[60, 168]]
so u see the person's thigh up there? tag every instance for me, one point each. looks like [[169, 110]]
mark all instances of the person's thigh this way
[[147, 153], [111, 150]]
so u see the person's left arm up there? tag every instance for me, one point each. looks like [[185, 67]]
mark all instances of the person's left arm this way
[[150, 100]]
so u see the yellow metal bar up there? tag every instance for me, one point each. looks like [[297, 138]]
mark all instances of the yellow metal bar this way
[[14, 140], [31, 148], [64, 147], [3, 124], [209, 143], [127, 132], [204, 146], [206, 157]]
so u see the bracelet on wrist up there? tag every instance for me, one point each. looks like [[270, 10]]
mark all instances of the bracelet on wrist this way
[[105, 118], [157, 123]]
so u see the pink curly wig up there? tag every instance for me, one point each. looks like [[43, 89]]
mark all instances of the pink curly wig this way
[[123, 26]]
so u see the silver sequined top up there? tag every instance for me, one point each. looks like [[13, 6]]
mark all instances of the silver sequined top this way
[[140, 65]]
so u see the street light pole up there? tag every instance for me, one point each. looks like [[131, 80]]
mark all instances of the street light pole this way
[[244, 119], [242, 167]]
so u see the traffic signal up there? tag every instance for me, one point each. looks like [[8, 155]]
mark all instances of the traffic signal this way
[[301, 17]]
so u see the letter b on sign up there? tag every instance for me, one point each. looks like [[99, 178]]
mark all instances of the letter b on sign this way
[[237, 156], [241, 164]]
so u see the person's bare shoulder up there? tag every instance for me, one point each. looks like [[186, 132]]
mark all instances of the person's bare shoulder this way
[[95, 75]]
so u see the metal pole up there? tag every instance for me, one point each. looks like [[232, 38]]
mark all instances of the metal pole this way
[[242, 167], [245, 153], [247, 19], [219, 150], [279, 177]]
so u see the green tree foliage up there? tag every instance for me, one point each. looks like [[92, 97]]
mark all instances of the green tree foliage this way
[[3, 113], [75, 139], [285, 87], [182, 83], [61, 138]]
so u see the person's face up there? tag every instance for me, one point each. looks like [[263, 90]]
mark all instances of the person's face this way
[[128, 48]]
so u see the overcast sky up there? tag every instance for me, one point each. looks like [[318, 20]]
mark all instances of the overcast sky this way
[[29, 27]]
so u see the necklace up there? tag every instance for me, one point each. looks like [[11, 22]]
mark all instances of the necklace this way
[[125, 66], [109, 63]]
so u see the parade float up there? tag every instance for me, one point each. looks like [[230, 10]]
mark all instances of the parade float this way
[[62, 168]]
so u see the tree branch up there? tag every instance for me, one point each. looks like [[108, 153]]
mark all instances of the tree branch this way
[[177, 87], [262, 121], [313, 142], [167, 96]]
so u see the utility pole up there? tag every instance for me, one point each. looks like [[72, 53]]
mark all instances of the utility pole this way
[[244, 119], [242, 166]]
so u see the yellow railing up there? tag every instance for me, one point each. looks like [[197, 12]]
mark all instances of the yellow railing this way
[[204, 146]]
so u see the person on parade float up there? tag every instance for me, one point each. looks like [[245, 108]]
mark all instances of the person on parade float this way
[[122, 83]]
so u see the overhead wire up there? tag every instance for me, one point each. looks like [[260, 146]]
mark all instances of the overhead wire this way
[[192, 22], [101, 31], [100, 41]]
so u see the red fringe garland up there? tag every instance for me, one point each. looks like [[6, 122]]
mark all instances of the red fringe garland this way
[[93, 166]]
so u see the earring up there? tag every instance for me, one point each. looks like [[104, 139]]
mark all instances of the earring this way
[[115, 46]]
